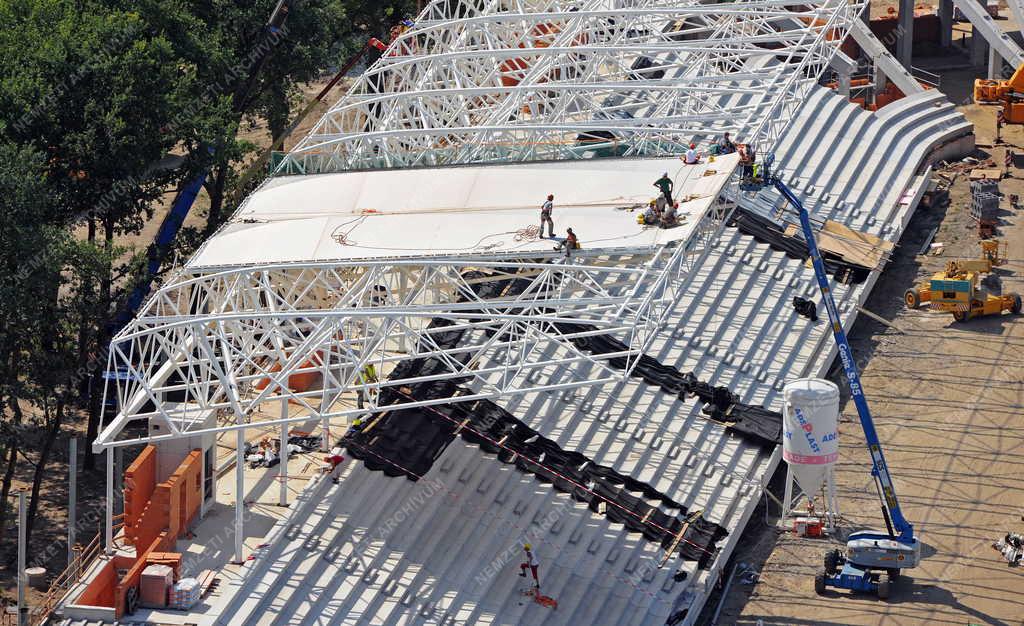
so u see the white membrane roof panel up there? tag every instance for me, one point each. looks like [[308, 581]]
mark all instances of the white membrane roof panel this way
[[473, 210]]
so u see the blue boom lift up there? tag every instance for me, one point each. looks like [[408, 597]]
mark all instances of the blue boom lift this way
[[873, 560]]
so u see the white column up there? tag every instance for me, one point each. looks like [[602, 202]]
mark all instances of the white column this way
[[109, 536], [995, 64], [283, 501], [239, 492], [22, 553], [879, 80], [843, 86], [979, 47], [72, 495]]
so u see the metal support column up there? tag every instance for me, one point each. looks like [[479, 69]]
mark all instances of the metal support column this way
[[109, 530], [72, 495], [905, 34], [283, 477], [22, 555], [239, 492]]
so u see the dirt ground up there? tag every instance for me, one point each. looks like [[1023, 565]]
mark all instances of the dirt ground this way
[[948, 401]]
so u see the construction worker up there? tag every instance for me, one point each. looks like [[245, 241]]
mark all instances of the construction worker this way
[[571, 242], [670, 216], [652, 215], [665, 185], [334, 460], [367, 376], [691, 155], [725, 145], [545, 216], [531, 562], [355, 427]]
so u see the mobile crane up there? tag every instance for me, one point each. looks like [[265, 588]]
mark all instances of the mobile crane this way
[[873, 559]]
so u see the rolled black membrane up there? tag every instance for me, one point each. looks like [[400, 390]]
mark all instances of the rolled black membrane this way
[[769, 232], [407, 442]]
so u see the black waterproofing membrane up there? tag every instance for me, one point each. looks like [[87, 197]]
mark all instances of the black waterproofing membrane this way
[[755, 423], [773, 234], [407, 442]]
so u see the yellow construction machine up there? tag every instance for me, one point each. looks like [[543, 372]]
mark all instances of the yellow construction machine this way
[[955, 290], [1009, 93]]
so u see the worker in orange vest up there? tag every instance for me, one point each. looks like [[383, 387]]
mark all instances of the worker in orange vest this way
[[571, 242]]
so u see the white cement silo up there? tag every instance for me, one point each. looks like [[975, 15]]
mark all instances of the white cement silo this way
[[810, 437]]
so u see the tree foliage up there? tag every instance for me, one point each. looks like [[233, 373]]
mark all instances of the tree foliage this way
[[106, 107]]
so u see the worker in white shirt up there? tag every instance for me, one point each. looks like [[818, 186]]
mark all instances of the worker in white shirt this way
[[531, 562], [546, 210], [334, 460], [691, 155]]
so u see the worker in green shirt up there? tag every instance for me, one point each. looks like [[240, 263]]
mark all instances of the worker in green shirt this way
[[368, 375], [665, 185]]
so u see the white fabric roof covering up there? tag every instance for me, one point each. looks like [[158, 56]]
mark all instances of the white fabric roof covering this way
[[456, 211]]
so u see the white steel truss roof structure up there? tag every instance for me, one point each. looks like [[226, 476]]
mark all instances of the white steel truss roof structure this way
[[504, 80], [231, 338]]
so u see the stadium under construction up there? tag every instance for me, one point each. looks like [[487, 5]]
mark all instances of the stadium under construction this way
[[390, 349]]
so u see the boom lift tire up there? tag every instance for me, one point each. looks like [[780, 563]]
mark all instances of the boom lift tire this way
[[1015, 307], [883, 589], [961, 316], [819, 584], [912, 299]]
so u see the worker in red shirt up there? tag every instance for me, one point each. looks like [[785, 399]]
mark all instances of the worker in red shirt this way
[[531, 562]]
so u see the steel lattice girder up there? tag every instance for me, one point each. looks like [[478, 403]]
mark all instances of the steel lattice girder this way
[[500, 81], [232, 340]]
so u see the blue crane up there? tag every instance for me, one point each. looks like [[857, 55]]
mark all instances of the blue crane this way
[[869, 554]]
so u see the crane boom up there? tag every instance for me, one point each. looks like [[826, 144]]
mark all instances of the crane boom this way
[[880, 470]]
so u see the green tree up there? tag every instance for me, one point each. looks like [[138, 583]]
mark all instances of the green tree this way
[[93, 91], [30, 262]]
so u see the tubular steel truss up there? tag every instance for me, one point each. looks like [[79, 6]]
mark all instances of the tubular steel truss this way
[[478, 81], [233, 340]]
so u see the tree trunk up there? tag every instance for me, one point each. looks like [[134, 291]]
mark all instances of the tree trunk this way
[[40, 473], [12, 462], [215, 189], [277, 111]]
